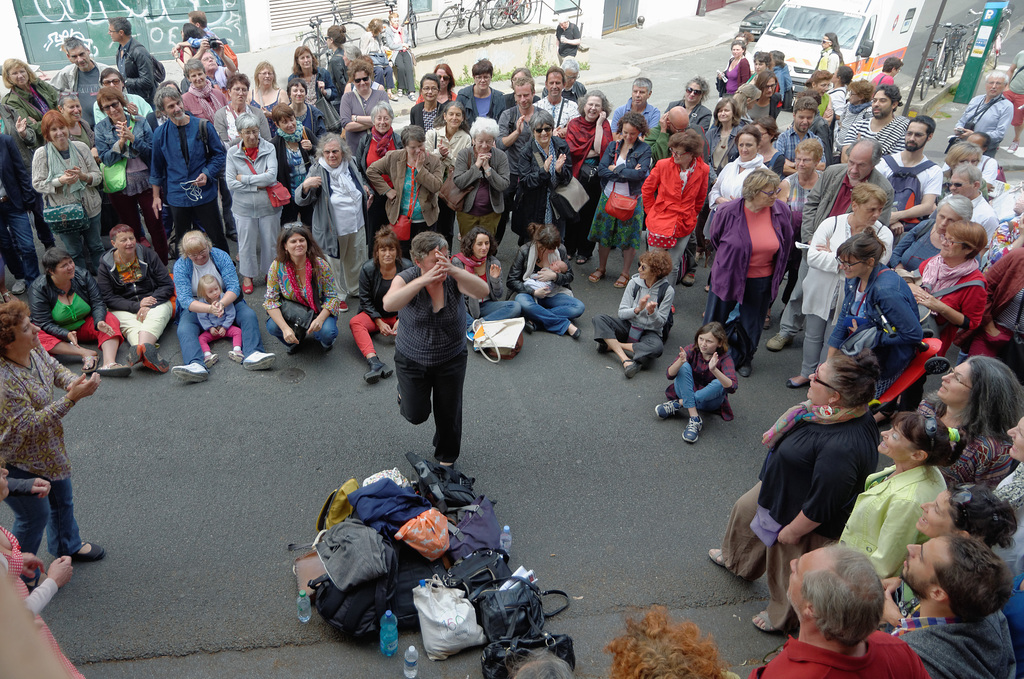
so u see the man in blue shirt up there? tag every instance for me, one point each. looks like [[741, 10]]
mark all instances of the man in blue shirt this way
[[642, 89], [480, 100], [185, 166]]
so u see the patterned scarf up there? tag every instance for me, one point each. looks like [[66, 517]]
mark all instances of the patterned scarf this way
[[471, 264], [304, 292], [937, 275], [385, 142], [206, 101], [805, 412], [57, 166], [295, 137], [1013, 490]]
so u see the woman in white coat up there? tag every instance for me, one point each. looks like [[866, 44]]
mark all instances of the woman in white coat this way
[[729, 185], [824, 279]]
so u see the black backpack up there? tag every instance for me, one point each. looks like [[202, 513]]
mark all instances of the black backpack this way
[[906, 184], [671, 315], [357, 611], [441, 486], [159, 72]]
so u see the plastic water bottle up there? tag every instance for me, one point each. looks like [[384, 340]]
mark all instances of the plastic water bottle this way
[[411, 656], [388, 634], [304, 608], [505, 541]]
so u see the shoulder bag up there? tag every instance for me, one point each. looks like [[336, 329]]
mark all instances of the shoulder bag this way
[[279, 195], [451, 194], [619, 206], [568, 200], [514, 611], [497, 340], [66, 218], [929, 324], [403, 225]]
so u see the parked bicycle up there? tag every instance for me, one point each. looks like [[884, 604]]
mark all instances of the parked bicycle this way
[[315, 39], [458, 16], [503, 12]]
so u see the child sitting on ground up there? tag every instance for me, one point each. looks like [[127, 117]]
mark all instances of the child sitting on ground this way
[[217, 325], [703, 376]]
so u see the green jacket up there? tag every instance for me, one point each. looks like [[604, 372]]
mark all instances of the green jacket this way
[[24, 105], [884, 518]]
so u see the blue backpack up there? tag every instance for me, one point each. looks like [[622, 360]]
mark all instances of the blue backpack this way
[[906, 185]]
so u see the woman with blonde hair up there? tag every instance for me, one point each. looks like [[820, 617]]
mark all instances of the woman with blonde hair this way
[[265, 92], [29, 96]]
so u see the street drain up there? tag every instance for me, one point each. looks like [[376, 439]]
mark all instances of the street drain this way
[[291, 375]]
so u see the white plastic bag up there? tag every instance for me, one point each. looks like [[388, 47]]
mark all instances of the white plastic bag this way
[[1003, 204], [447, 620]]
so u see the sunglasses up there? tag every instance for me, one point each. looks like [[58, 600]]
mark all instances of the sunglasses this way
[[362, 80], [961, 500], [957, 185], [111, 106], [690, 90], [543, 130], [443, 77]]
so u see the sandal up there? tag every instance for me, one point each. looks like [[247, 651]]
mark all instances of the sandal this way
[[247, 288], [115, 370], [622, 281], [89, 364], [707, 288], [762, 623], [6, 296], [582, 259], [716, 556], [596, 276]]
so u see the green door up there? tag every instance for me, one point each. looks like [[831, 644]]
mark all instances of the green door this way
[[155, 23]]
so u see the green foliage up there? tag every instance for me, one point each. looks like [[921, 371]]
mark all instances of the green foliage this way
[[534, 61]]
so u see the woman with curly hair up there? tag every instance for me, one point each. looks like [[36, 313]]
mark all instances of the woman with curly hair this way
[[657, 646]]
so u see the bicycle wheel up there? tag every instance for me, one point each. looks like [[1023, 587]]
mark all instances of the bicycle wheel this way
[[316, 46], [926, 77], [476, 18], [485, 20], [499, 15], [447, 22], [523, 12], [414, 22]]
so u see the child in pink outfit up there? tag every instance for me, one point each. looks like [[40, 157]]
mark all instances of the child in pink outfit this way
[[217, 325]]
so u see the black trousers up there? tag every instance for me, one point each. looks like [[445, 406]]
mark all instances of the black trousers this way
[[418, 384], [745, 331], [207, 215]]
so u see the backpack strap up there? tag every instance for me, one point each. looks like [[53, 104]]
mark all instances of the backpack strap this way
[[204, 137]]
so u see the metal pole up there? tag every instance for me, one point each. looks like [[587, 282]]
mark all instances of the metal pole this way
[[927, 48]]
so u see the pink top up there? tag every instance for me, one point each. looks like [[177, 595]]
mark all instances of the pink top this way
[[763, 241]]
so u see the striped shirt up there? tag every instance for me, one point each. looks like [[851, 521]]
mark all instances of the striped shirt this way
[[891, 137]]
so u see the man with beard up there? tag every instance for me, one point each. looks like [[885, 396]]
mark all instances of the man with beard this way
[[913, 201], [804, 112], [884, 126], [838, 598], [958, 629], [185, 164]]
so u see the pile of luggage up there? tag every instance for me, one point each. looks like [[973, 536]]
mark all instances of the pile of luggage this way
[[429, 551]]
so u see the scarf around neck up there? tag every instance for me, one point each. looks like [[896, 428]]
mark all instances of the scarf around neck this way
[[755, 162], [295, 137], [938, 275], [57, 165], [303, 290], [385, 142], [207, 103], [805, 412]]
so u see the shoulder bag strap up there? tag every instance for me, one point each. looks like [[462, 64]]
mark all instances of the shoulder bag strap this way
[[1017, 323], [982, 110], [958, 286]]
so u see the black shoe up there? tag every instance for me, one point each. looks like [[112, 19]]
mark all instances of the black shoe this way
[[529, 327], [377, 371], [232, 236], [95, 554], [744, 370]]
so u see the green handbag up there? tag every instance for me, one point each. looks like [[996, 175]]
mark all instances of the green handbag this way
[[115, 177], [66, 218]]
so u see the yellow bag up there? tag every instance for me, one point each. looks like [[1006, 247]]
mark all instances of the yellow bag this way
[[337, 508]]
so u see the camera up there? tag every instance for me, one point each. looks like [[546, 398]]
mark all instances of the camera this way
[[216, 44]]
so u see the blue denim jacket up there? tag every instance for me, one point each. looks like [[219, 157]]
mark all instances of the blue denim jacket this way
[[183, 276], [640, 155], [106, 138], [889, 295]]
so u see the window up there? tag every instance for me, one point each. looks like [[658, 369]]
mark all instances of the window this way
[[422, 5], [909, 21], [808, 24]]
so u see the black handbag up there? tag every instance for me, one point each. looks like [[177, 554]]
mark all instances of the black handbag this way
[[479, 569], [588, 174], [499, 657], [297, 316], [515, 611], [1012, 353]]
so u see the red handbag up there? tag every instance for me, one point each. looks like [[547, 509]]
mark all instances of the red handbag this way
[[279, 195], [403, 226], [621, 207]]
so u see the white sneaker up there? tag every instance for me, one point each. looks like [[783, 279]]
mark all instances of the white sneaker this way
[[191, 372], [258, 360]]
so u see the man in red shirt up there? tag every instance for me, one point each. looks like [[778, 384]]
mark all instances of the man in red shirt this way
[[839, 599]]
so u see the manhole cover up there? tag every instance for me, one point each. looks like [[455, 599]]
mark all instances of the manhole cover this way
[[291, 375]]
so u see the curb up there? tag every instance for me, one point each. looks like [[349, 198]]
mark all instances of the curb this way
[[633, 68]]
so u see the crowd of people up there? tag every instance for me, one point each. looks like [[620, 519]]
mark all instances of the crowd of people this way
[[871, 246]]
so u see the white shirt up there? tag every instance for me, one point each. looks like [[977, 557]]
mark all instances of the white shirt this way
[[985, 215], [931, 179], [562, 112], [989, 169], [346, 200]]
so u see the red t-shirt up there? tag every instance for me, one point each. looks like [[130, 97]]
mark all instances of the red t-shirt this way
[[886, 658]]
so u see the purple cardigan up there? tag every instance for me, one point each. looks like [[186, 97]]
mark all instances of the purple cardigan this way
[[731, 238]]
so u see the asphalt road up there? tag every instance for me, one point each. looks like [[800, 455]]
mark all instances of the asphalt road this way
[[195, 491]]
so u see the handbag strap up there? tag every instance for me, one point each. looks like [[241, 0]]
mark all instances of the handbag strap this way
[[555, 592], [249, 163]]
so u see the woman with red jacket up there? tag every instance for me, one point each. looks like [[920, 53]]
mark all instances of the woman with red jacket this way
[[588, 135], [675, 191]]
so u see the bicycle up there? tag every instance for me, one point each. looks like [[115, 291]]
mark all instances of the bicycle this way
[[315, 40], [510, 11], [458, 16], [411, 22], [931, 74]]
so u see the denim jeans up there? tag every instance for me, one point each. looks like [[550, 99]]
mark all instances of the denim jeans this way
[[189, 329], [326, 335], [16, 242], [55, 513], [85, 246], [706, 399], [494, 310], [551, 313]]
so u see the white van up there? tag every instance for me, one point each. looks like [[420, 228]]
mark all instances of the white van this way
[[869, 31]]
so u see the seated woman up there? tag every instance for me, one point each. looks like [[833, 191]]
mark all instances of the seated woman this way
[[479, 255], [956, 265], [643, 310], [199, 258], [137, 289], [982, 399], [973, 511], [68, 307], [752, 236], [820, 454], [301, 290], [658, 646], [925, 239], [1005, 284], [823, 280], [884, 519], [545, 165], [294, 145], [875, 296], [623, 169], [484, 169], [703, 376], [374, 282], [540, 278]]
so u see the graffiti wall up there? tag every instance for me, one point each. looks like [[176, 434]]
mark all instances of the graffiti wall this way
[[156, 23]]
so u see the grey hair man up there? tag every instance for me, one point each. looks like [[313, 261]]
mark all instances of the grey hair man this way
[[966, 181], [642, 90], [82, 75]]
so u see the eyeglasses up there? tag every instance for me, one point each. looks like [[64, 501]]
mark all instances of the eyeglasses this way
[[543, 130], [772, 194], [956, 376], [690, 90], [111, 81], [948, 241], [362, 80], [814, 378], [847, 265]]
